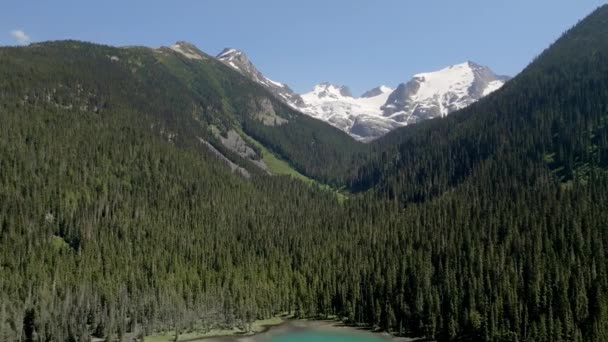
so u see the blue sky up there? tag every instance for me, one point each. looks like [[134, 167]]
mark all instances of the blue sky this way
[[359, 43]]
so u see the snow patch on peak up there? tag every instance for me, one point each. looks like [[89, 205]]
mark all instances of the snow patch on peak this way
[[235, 59], [455, 79], [361, 117], [275, 83], [492, 87], [228, 53], [438, 93], [385, 89], [330, 90]]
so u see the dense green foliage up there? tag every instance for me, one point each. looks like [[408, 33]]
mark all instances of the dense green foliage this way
[[116, 221]]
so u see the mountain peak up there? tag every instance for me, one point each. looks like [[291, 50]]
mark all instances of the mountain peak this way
[[377, 91], [188, 50], [186, 44], [327, 89], [238, 60], [230, 53], [453, 70], [474, 65], [438, 93]]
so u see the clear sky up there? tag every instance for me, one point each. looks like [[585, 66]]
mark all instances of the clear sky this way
[[359, 43]]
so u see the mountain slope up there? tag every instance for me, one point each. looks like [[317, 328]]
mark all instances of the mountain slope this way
[[253, 109], [551, 116], [220, 100], [237, 60], [113, 212]]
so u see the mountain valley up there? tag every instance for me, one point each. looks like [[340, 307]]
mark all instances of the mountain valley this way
[[164, 194]]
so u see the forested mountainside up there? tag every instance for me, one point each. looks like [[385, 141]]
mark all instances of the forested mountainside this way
[[551, 116], [182, 93], [310, 146], [116, 221]]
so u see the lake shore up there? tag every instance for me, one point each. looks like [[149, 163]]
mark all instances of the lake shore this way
[[305, 325], [258, 326]]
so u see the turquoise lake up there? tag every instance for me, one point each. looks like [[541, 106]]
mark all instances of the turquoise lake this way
[[317, 336]]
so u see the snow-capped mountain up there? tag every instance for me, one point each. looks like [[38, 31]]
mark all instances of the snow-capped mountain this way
[[434, 94], [239, 61], [381, 109], [361, 117]]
